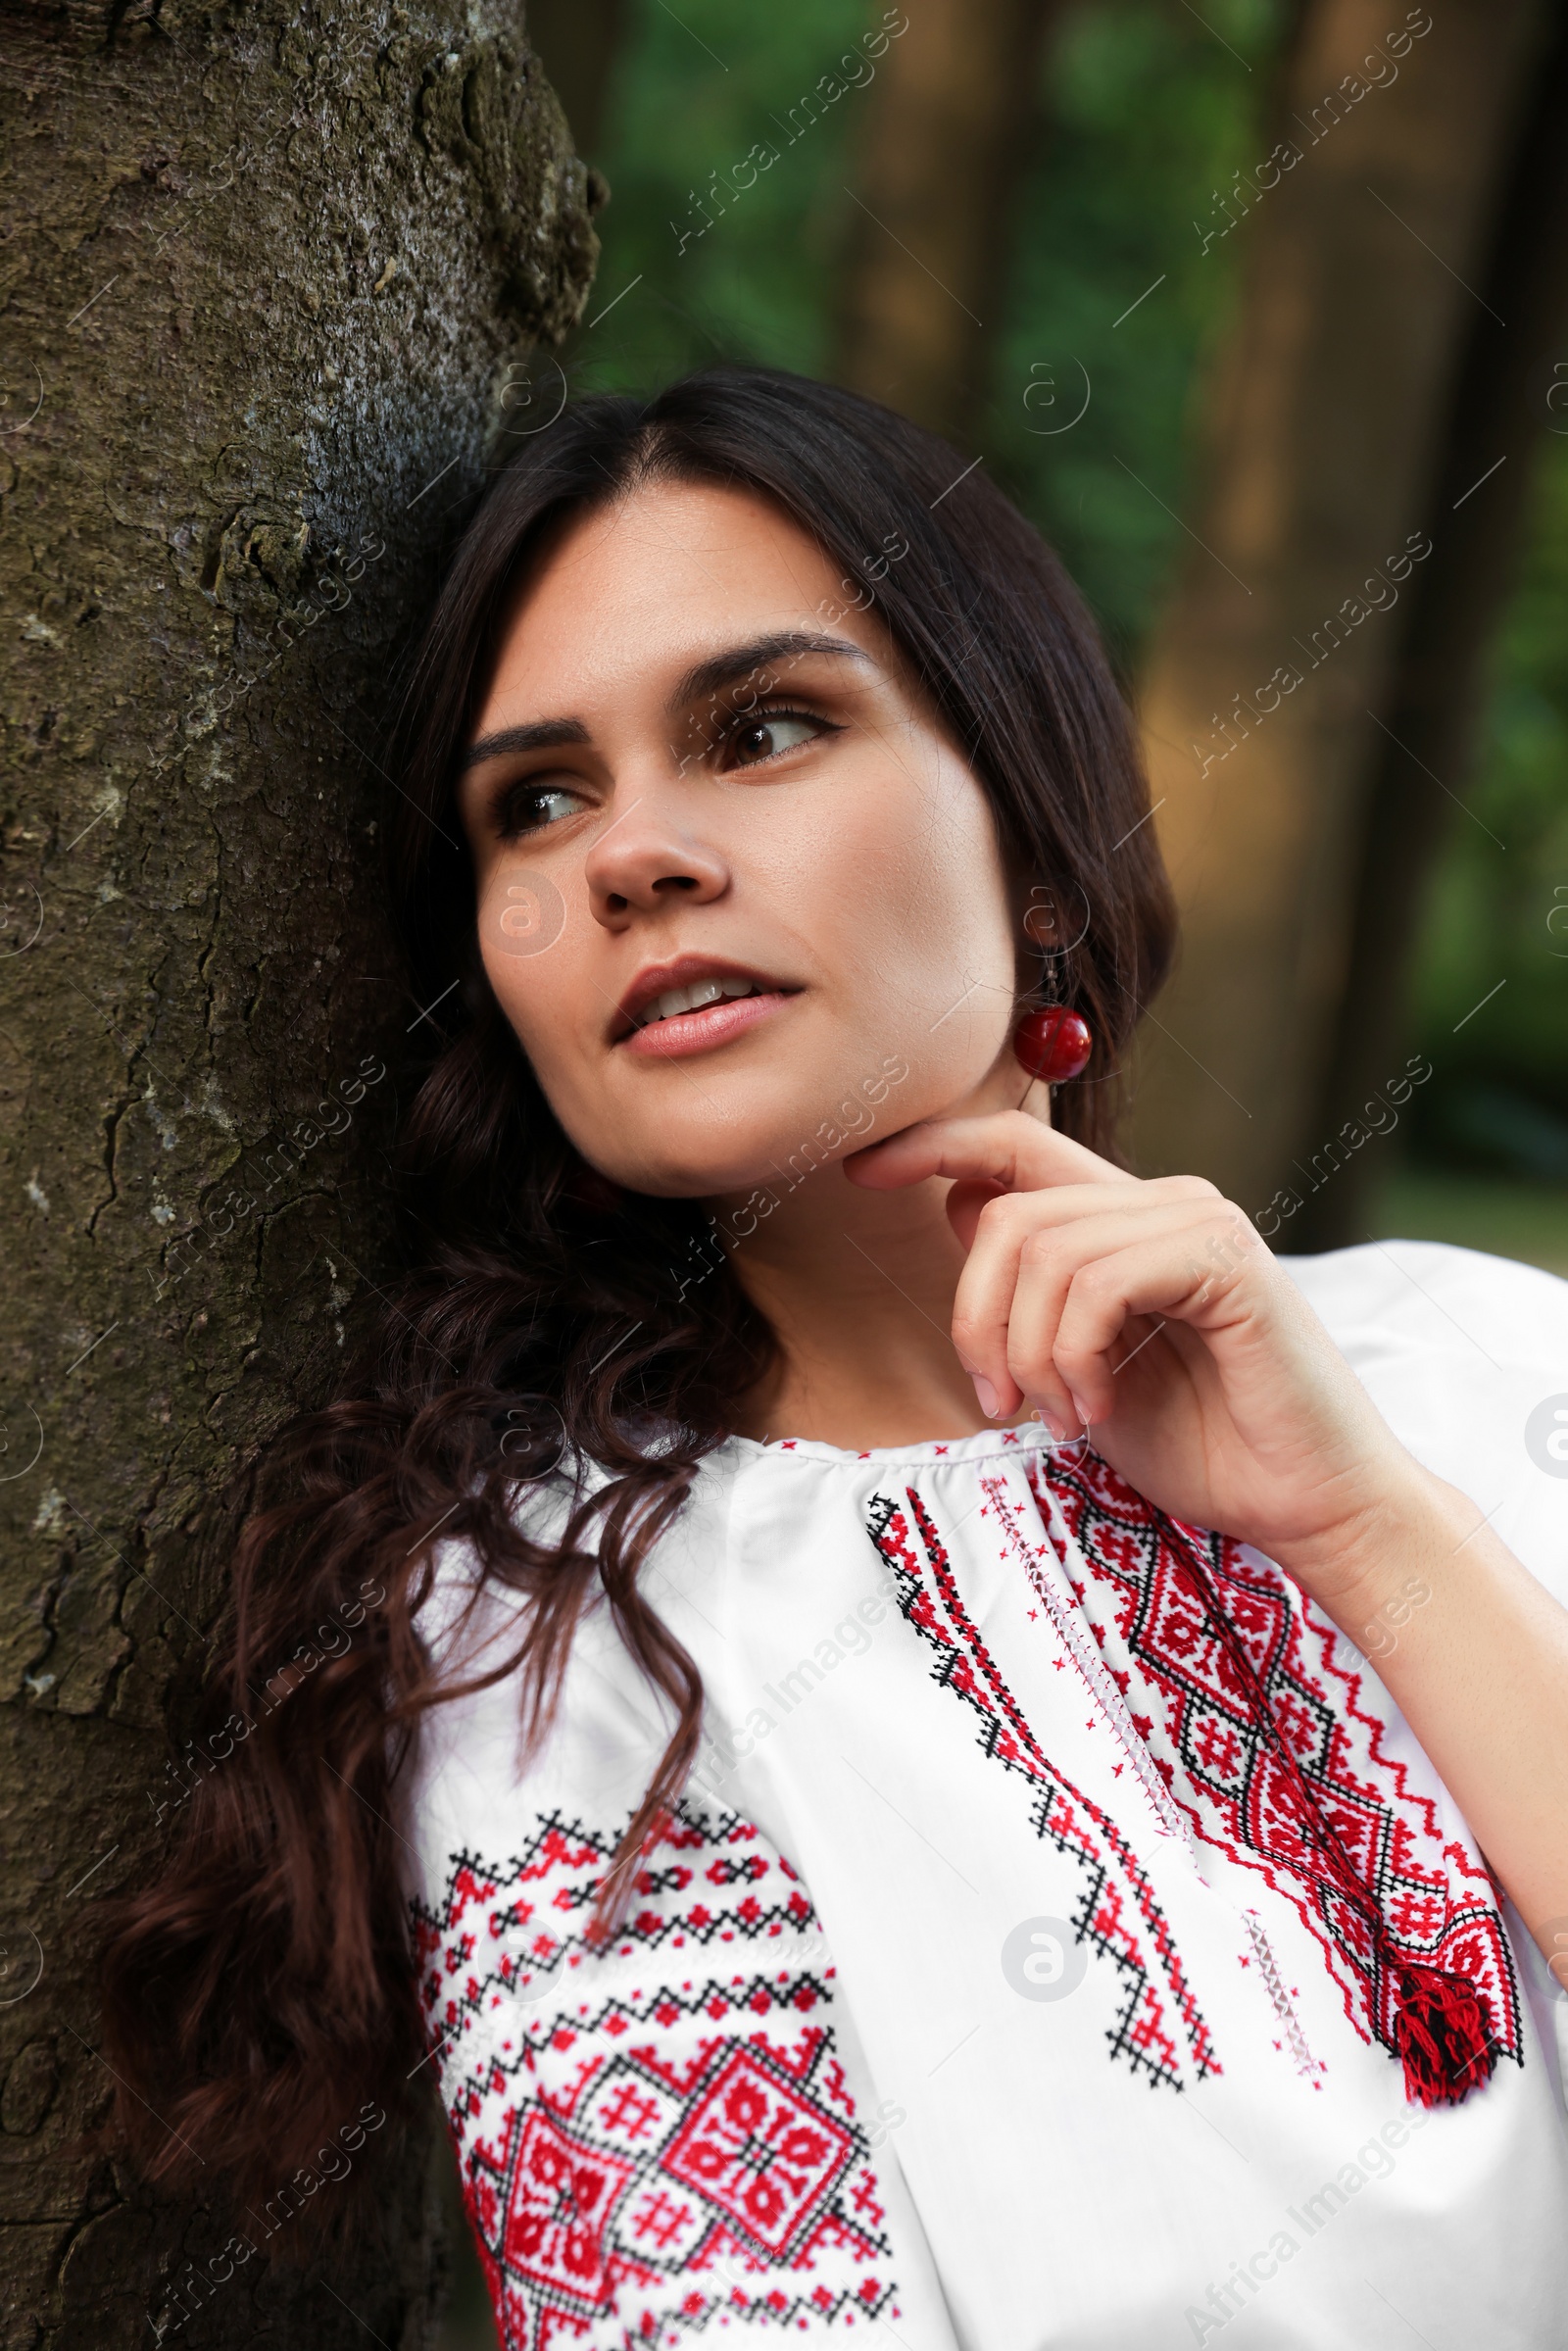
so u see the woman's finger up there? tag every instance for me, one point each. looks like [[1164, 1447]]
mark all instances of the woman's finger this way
[[1026, 1250], [1154, 1277], [1007, 1147], [1058, 1203]]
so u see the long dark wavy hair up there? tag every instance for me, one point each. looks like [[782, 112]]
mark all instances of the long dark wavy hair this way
[[261, 1987]]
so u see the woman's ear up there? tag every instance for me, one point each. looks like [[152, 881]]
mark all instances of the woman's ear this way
[[1037, 918], [1038, 935]]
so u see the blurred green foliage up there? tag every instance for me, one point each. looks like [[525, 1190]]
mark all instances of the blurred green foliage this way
[[1145, 114], [1148, 108], [691, 97]]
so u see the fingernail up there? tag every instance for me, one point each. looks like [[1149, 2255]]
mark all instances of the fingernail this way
[[986, 1393], [1050, 1423], [1083, 1416]]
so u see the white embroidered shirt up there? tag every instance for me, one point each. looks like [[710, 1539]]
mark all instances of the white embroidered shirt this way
[[991, 1988]]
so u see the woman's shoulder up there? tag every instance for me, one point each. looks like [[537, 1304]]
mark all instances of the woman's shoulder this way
[[1466, 1357], [474, 1765], [1383, 1291]]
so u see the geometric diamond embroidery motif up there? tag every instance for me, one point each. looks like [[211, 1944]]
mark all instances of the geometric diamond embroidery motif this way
[[1192, 1707], [655, 2135], [763, 2155]]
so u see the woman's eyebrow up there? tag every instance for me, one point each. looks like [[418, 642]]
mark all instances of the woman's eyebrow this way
[[545, 734], [723, 668], [707, 678]]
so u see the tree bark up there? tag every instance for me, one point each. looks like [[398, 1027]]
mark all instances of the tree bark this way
[[944, 141], [1322, 438], [1510, 390], [270, 283]]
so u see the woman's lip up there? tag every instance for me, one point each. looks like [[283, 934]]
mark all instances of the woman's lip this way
[[638, 1004], [699, 1032]]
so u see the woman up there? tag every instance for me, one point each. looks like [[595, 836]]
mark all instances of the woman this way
[[954, 1769]]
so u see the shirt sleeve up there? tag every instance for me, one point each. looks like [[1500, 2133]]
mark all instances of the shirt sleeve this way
[[662, 2130], [1466, 1357]]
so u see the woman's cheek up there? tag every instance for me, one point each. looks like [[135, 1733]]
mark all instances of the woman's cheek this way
[[522, 914], [526, 944]]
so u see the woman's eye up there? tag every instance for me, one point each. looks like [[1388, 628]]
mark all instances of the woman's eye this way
[[765, 738], [530, 807]]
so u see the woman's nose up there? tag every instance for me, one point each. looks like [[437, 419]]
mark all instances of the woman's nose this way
[[645, 859]]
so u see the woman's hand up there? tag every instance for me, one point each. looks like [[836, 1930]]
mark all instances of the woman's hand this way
[[1154, 1315]]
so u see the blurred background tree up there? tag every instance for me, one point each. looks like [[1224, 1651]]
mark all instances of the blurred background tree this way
[[1054, 232]]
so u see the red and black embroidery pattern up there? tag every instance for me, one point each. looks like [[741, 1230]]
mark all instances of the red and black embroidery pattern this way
[[1144, 2033], [656, 2135], [1439, 1932]]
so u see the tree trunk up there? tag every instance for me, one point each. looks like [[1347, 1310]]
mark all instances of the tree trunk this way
[[943, 139], [1323, 432], [1423, 758], [271, 278]]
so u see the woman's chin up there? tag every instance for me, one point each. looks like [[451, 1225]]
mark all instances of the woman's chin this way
[[726, 1179]]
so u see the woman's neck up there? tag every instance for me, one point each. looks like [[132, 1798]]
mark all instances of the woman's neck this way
[[859, 1286]]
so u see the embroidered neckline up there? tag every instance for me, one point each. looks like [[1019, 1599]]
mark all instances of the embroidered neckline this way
[[987, 1444]]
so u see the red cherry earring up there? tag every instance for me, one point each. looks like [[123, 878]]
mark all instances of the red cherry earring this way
[[1053, 1043]]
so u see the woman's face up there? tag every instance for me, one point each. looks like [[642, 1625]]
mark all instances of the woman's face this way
[[739, 897]]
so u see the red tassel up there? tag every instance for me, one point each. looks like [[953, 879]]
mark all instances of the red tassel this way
[[1443, 2033], [1441, 2024]]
